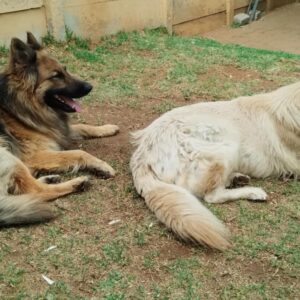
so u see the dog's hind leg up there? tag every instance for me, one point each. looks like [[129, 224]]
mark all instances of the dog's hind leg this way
[[22, 182], [71, 160], [79, 131], [16, 179], [221, 194], [202, 177], [213, 182], [238, 180], [216, 180]]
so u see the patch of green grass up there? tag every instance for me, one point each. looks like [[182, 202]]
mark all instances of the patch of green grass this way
[[53, 231], [139, 237], [121, 63], [110, 282], [249, 291], [80, 47], [58, 290], [26, 239], [235, 25], [69, 34], [115, 41], [13, 275], [85, 54], [164, 106], [3, 50], [114, 286], [81, 43], [183, 71], [291, 188], [72, 38], [114, 252], [48, 39], [184, 279], [149, 259]]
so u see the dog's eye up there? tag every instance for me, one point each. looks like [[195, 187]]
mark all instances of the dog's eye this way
[[57, 75]]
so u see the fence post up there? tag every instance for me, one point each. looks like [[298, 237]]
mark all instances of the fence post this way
[[55, 18], [169, 11], [229, 12], [269, 5]]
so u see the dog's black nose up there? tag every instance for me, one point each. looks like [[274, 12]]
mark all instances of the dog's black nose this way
[[87, 87]]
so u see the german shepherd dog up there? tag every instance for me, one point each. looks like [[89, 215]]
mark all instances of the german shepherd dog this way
[[36, 93], [202, 150]]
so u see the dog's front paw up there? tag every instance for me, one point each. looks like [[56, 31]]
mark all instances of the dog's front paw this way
[[257, 194], [103, 170], [50, 179], [80, 183], [108, 130]]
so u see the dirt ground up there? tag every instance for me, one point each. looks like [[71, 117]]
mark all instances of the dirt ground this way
[[278, 30]]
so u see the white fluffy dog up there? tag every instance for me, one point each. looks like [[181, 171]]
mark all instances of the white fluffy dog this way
[[199, 150]]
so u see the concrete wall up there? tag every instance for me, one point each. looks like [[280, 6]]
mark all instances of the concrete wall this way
[[19, 16], [91, 18], [87, 18]]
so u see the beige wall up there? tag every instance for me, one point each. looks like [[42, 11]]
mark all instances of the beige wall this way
[[19, 16], [87, 18], [17, 5], [91, 18], [15, 24]]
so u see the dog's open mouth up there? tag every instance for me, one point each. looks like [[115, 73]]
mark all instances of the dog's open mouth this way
[[66, 99], [68, 103], [57, 101]]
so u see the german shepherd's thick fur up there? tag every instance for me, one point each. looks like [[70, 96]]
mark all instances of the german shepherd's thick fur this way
[[36, 93], [202, 149]]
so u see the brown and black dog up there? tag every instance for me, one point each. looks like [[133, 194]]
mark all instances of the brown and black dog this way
[[36, 93]]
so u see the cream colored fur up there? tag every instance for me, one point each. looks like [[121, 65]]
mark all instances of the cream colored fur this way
[[197, 150]]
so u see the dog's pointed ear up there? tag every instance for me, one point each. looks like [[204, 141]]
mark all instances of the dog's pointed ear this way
[[21, 53], [31, 40]]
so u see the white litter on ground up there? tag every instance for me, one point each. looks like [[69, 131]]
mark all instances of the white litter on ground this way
[[112, 222], [50, 248], [48, 280]]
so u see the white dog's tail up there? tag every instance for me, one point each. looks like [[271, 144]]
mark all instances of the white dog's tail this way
[[23, 209], [180, 210]]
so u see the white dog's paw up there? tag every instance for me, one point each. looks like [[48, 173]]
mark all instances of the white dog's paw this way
[[257, 194]]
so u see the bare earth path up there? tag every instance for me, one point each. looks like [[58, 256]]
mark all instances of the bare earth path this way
[[278, 30]]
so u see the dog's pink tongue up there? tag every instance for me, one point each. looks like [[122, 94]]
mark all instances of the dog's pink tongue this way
[[72, 103]]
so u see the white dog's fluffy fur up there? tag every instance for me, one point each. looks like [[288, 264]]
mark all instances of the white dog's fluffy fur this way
[[198, 150]]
